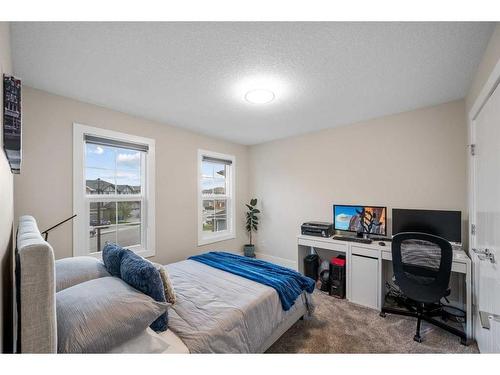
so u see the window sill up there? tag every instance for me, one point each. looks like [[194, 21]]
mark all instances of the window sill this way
[[214, 239], [142, 253], [145, 253]]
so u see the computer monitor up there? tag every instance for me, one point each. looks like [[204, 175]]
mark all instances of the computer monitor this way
[[360, 219], [446, 224]]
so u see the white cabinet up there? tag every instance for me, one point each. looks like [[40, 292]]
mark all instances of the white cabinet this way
[[364, 280]]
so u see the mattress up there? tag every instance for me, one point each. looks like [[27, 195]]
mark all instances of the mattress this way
[[218, 312]]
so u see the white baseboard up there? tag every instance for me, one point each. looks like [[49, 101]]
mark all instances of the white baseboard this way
[[280, 261]]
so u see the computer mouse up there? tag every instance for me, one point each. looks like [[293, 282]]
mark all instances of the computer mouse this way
[[381, 243]]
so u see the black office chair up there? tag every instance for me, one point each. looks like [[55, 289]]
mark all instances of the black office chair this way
[[422, 267]]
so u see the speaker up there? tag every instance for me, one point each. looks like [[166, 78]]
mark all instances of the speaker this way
[[311, 263]]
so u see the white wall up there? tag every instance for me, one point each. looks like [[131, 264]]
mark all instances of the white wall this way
[[414, 159], [6, 206], [490, 58], [44, 188]]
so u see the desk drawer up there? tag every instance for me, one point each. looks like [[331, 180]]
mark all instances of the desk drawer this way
[[386, 255], [357, 250], [458, 267], [329, 245], [455, 266]]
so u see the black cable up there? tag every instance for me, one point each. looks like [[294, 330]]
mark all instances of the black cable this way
[[394, 295]]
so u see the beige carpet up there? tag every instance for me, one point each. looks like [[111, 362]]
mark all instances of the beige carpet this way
[[338, 326]]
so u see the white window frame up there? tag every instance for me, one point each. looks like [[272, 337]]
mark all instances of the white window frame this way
[[80, 202], [208, 238]]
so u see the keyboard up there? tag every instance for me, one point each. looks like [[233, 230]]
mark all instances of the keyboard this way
[[352, 239]]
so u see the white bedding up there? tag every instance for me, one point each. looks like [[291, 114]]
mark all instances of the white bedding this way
[[152, 342], [218, 312]]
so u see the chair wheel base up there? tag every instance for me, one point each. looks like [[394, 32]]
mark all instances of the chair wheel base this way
[[382, 314], [464, 342], [417, 338]]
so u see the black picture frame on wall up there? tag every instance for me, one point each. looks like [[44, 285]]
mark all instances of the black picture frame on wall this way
[[12, 121]]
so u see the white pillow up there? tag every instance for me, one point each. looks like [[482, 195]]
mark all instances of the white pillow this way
[[73, 271], [99, 315]]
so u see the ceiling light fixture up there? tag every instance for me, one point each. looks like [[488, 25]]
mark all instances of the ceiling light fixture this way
[[259, 96]]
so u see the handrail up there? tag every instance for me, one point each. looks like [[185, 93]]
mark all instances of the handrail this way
[[46, 232]]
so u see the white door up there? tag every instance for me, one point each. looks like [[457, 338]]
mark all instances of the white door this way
[[485, 217]]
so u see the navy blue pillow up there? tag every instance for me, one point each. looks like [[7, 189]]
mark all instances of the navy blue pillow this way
[[112, 257], [143, 276]]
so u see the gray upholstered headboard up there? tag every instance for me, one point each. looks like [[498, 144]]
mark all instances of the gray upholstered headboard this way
[[36, 290]]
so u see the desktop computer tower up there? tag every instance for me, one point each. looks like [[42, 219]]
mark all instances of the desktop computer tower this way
[[337, 277]]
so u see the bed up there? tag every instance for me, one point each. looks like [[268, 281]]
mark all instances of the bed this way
[[215, 312]]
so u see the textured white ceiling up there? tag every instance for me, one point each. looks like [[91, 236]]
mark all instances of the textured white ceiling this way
[[195, 75]]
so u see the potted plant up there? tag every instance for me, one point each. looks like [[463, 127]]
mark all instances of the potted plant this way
[[251, 225]]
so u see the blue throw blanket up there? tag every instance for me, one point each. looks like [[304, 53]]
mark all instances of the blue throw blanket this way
[[288, 283]]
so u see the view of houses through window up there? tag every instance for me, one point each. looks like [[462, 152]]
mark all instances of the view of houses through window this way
[[214, 186], [215, 196], [113, 184]]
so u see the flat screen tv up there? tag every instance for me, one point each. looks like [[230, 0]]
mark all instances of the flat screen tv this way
[[446, 224], [360, 219]]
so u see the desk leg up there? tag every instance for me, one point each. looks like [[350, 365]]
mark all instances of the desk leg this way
[[468, 301], [381, 283]]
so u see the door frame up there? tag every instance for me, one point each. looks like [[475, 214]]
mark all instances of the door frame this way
[[485, 93]]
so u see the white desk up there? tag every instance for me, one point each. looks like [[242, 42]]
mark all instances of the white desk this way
[[373, 276]]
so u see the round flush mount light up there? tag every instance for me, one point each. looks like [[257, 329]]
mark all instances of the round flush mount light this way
[[259, 96], [257, 90]]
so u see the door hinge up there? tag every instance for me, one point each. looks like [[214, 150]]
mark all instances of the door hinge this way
[[485, 254], [473, 229], [473, 149]]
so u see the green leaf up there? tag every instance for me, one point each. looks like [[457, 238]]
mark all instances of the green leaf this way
[[249, 207], [253, 201], [256, 211]]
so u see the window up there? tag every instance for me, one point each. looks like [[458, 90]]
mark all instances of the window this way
[[215, 197], [113, 191]]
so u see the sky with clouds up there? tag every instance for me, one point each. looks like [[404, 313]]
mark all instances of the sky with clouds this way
[[124, 166], [211, 175], [113, 164]]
